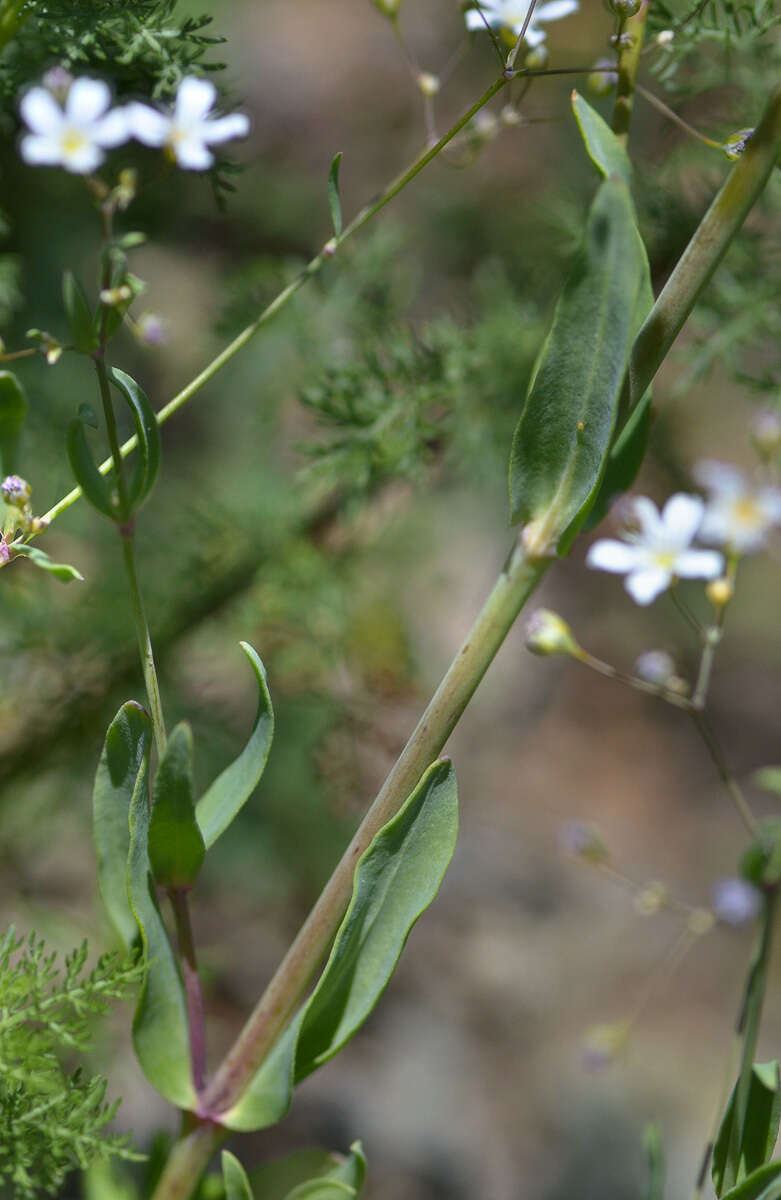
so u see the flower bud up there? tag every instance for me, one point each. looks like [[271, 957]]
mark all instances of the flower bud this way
[[719, 592], [766, 433], [510, 117], [736, 143], [429, 84], [656, 667], [58, 81], [583, 841], [547, 633], [16, 491], [537, 59], [602, 80], [624, 9], [388, 8], [700, 922], [735, 901], [603, 1043], [651, 900], [665, 37], [113, 297], [150, 330]]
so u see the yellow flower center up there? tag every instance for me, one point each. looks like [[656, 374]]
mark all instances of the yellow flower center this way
[[664, 559], [747, 512], [73, 140]]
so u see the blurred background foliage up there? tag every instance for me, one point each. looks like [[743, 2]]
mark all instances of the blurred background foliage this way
[[336, 496]]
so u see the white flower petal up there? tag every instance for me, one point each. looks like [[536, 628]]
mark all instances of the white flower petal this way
[[475, 21], [611, 555], [194, 99], [682, 517], [222, 129], [644, 586], [770, 502], [40, 151], [40, 111], [699, 564], [87, 100], [192, 154], [716, 525], [82, 160], [533, 36], [113, 129], [719, 477], [554, 10], [148, 125], [647, 515]]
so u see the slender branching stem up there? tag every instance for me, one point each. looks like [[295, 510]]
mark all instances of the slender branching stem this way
[[513, 55], [192, 985], [144, 642], [640, 685], [666, 111], [630, 45], [702, 725]]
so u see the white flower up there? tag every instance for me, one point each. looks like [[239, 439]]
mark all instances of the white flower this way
[[660, 550], [735, 901], [74, 135], [738, 514], [190, 129], [511, 14]]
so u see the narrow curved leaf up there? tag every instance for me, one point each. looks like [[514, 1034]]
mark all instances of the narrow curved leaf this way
[[603, 147], [235, 1178], [80, 322], [345, 1177], [61, 571], [735, 1158], [322, 1189], [125, 758], [160, 1029], [395, 881], [762, 1184], [97, 490], [147, 455], [13, 411], [566, 427], [176, 849], [334, 201], [230, 791]]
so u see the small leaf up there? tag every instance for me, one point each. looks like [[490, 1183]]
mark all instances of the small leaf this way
[[176, 849], [147, 460], [124, 759], [13, 411], [395, 881], [344, 1178], [230, 791], [160, 1028], [603, 147], [95, 487], [77, 311], [736, 1157], [563, 437], [235, 1178], [61, 571], [762, 1184], [769, 779], [654, 1150], [334, 201]]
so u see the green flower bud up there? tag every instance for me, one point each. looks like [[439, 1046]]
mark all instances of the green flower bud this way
[[736, 143], [537, 59], [547, 633], [16, 491], [602, 80], [388, 8], [625, 8]]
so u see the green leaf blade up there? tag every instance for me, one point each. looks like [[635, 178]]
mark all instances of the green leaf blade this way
[[237, 1186], [77, 310], [562, 441], [334, 200], [176, 847], [221, 803], [62, 571], [148, 450], [746, 1141], [602, 146], [762, 1184], [125, 758], [396, 880], [160, 1027], [13, 412], [93, 485]]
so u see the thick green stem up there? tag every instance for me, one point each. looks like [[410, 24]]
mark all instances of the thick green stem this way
[[517, 581], [706, 249], [189, 1159], [629, 49]]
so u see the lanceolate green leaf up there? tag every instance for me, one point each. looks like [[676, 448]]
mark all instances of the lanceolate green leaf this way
[[604, 149], [235, 1178], [762, 1184], [562, 441], [160, 1030], [95, 487], [231, 790], [125, 759], [147, 456], [334, 200], [79, 316], [13, 410], [395, 881], [176, 849], [759, 1130], [62, 571]]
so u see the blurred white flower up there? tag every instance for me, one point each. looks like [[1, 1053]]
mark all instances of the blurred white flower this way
[[191, 128], [735, 901], [511, 14], [73, 134], [738, 514], [655, 666], [659, 551]]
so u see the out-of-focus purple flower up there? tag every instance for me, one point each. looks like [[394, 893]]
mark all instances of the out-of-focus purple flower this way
[[582, 841], [15, 491], [735, 901], [151, 330], [655, 666]]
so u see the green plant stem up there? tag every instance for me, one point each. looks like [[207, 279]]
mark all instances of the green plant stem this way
[[192, 985], [661, 107], [706, 249], [144, 642], [640, 685], [725, 775], [188, 1160], [630, 48]]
